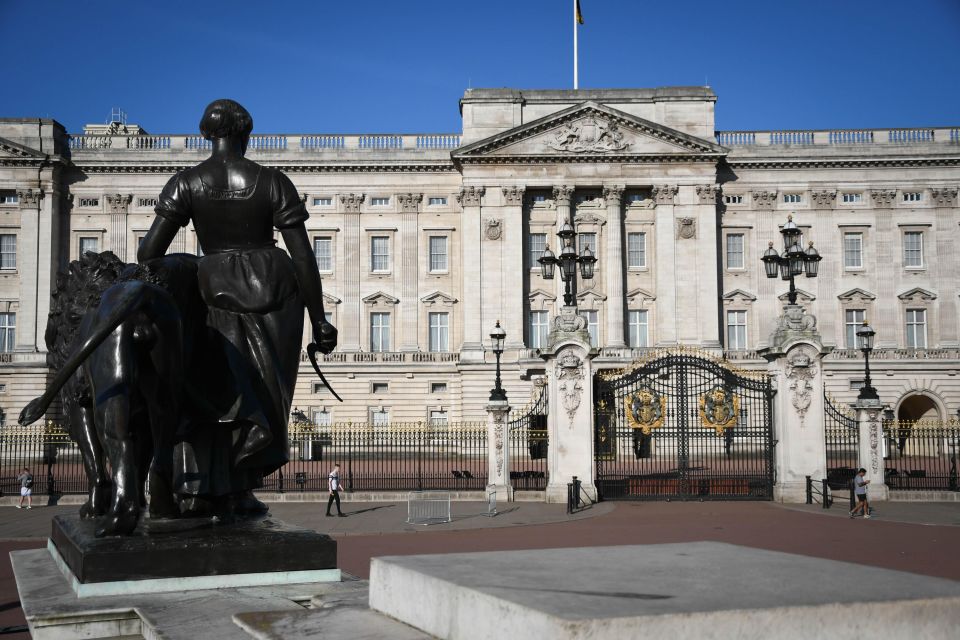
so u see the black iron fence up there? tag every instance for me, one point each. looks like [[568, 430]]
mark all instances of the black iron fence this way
[[529, 445], [392, 457], [842, 440], [921, 455]]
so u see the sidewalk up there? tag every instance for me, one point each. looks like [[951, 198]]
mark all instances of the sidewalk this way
[[929, 513]]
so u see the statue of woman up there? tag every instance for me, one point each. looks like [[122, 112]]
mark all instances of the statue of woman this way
[[236, 428]]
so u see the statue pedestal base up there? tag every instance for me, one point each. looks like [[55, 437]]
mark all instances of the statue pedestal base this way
[[193, 553]]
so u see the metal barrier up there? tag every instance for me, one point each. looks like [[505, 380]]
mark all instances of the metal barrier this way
[[818, 492], [574, 501], [428, 507], [529, 444], [921, 455], [842, 442]]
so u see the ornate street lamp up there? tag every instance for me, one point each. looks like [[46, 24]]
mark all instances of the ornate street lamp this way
[[497, 337], [795, 261], [568, 262], [865, 341]]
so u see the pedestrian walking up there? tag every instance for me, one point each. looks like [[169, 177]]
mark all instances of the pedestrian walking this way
[[334, 482], [860, 490], [26, 488]]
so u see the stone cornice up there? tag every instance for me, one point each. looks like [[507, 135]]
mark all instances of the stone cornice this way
[[592, 158], [170, 169], [841, 163]]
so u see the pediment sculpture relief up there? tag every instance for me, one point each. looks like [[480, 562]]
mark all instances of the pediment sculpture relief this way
[[590, 135]]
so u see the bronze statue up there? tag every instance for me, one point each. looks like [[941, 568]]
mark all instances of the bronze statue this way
[[229, 407]]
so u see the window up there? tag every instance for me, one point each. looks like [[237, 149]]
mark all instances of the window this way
[[539, 198], [438, 418], [850, 198], [322, 418], [856, 385], [379, 331], [323, 250], [588, 240], [380, 417], [636, 197], [853, 321], [792, 198], [913, 249], [379, 202], [636, 250], [736, 330], [8, 251], [89, 202], [3, 388], [539, 329], [438, 387], [916, 328], [323, 202], [147, 202], [853, 251], [436, 202], [439, 331], [735, 251], [380, 253], [733, 199], [8, 331], [379, 387], [593, 326], [9, 197], [912, 196], [89, 244], [538, 244], [438, 253], [637, 325], [319, 387]]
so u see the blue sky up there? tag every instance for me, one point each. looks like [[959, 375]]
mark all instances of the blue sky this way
[[401, 65]]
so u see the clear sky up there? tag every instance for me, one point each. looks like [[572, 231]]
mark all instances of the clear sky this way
[[352, 66]]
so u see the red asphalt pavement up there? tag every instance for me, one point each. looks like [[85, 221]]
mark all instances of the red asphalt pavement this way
[[918, 548]]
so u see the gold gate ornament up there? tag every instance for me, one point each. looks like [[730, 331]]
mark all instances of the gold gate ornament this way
[[719, 409], [645, 410]]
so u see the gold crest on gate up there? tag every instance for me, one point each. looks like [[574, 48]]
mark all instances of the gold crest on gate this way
[[645, 409], [719, 409]]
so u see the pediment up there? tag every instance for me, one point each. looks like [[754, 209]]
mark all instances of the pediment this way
[[802, 296], [590, 298], [438, 297], [13, 150], [917, 293], [380, 298], [856, 294], [329, 299], [588, 131], [541, 294], [739, 295], [640, 294]]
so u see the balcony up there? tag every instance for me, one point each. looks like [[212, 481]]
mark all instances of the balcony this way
[[314, 143], [386, 357], [840, 137]]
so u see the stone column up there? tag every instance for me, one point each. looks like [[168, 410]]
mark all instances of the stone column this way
[[666, 282], [470, 198], [796, 362], [707, 296], [570, 420], [511, 271], [871, 447], [498, 451], [561, 198], [31, 203], [409, 267], [350, 331], [119, 206], [612, 265]]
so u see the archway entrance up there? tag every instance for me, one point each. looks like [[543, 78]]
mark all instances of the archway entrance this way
[[921, 447]]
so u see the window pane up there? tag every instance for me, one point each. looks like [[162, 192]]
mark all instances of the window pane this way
[[917, 328], [853, 321], [438, 253], [593, 326], [322, 248], [913, 249], [638, 328], [736, 329], [379, 331], [439, 331], [8, 331], [8, 251], [380, 418], [588, 240], [538, 243], [380, 253], [735, 251], [853, 250], [539, 329], [636, 249]]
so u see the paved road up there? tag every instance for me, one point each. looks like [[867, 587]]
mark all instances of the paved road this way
[[917, 537]]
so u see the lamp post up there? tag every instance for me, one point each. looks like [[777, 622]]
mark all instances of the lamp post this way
[[795, 260], [497, 337], [865, 336], [568, 262]]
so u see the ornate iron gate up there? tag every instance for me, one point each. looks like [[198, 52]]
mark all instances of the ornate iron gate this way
[[686, 427], [528, 446], [842, 440]]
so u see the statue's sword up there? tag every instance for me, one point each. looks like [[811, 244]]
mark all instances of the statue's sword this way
[[312, 350]]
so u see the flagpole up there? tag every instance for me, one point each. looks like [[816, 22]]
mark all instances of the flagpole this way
[[575, 79]]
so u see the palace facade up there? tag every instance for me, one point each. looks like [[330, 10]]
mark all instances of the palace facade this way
[[425, 241]]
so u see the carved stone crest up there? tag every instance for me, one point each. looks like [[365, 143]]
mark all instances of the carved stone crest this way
[[645, 409], [883, 198], [569, 383], [499, 423], [944, 197], [823, 199], [873, 416], [589, 135], [719, 409], [686, 228], [569, 322], [800, 370], [764, 199], [493, 228]]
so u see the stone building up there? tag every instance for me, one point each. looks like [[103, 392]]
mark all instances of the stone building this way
[[424, 241]]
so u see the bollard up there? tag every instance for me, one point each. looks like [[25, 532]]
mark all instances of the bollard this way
[[853, 497], [809, 490], [827, 500]]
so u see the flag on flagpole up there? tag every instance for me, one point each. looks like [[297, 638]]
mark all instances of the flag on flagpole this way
[[579, 13]]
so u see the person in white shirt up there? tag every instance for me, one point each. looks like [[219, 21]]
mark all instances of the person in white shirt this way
[[334, 482]]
